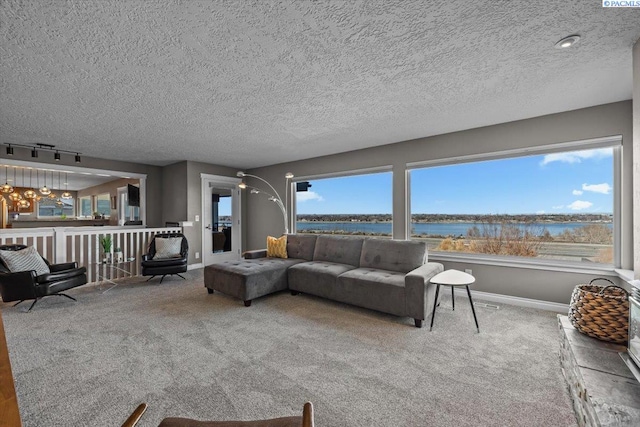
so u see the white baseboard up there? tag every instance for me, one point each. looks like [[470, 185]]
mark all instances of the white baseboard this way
[[511, 300], [195, 266]]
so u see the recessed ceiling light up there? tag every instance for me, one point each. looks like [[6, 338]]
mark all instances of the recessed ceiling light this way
[[568, 41]]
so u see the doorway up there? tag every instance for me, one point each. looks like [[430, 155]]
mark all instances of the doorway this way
[[220, 218]]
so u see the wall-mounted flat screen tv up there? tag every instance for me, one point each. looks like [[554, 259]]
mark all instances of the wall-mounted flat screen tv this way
[[133, 194]]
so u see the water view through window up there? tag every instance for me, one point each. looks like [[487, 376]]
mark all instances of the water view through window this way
[[556, 206], [551, 206], [355, 204]]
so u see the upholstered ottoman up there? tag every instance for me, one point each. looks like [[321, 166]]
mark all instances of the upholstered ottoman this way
[[248, 278]]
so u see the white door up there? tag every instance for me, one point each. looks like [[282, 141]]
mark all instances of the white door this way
[[220, 218]]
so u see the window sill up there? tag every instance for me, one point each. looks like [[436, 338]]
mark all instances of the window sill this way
[[531, 264]]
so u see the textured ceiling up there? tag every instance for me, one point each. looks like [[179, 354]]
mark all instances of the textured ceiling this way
[[252, 83]]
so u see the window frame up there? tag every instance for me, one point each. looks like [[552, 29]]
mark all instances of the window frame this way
[[292, 201], [79, 207], [614, 142], [95, 201]]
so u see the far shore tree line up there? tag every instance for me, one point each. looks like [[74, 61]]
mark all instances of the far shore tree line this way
[[427, 218]]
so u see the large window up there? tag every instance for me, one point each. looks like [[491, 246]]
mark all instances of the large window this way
[[554, 205], [84, 206], [48, 208], [103, 204], [355, 204]]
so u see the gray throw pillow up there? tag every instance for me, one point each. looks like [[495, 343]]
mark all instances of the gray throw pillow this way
[[26, 259], [168, 247]]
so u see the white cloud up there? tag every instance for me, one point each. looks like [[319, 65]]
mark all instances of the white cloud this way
[[577, 156], [557, 207], [540, 212], [598, 188], [579, 205], [577, 192], [304, 196]]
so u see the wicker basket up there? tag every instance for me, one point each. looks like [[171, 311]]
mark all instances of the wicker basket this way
[[601, 312]]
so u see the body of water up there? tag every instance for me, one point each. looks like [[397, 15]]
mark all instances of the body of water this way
[[434, 229]]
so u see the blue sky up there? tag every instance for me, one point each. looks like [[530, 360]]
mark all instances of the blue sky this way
[[572, 182]]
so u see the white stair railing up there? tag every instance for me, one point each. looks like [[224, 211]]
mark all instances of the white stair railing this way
[[82, 244]]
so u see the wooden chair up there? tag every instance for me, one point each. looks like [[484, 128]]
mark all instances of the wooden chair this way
[[306, 420]]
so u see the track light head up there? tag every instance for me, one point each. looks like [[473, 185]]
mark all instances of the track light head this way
[[57, 156], [77, 158], [10, 150], [34, 153]]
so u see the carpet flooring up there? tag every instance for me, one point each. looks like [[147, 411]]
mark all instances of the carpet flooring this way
[[188, 353]]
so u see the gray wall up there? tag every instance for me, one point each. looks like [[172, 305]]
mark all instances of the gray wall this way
[[154, 175], [262, 218], [174, 185]]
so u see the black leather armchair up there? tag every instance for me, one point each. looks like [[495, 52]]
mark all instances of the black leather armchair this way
[[156, 267], [25, 285]]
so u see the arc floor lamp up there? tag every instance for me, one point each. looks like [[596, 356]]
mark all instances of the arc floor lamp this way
[[272, 197]]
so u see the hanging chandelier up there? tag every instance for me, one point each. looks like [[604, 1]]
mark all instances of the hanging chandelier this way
[[6, 188], [15, 196], [24, 204], [66, 195], [30, 193], [44, 190], [51, 194], [58, 202]]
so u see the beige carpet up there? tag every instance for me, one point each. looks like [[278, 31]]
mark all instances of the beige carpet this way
[[188, 353]]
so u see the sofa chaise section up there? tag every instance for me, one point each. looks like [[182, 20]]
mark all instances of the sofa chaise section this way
[[249, 278], [257, 275]]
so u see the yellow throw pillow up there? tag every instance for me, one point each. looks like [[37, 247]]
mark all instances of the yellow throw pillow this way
[[277, 247]]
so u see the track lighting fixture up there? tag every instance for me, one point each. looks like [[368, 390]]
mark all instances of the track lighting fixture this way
[[35, 148]]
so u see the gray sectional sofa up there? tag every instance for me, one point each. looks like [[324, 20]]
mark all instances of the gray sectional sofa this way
[[391, 276]]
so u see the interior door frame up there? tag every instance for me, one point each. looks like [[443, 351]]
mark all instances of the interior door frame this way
[[236, 213]]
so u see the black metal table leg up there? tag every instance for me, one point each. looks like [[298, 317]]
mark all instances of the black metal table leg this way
[[472, 308], [435, 302], [453, 300]]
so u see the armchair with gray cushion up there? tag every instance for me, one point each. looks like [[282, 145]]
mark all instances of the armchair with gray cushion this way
[[167, 254], [33, 284]]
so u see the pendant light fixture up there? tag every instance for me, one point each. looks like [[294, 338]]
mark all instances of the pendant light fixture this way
[[6, 188], [59, 202], [38, 196], [15, 196], [30, 193], [52, 195], [66, 195], [24, 204], [44, 190]]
